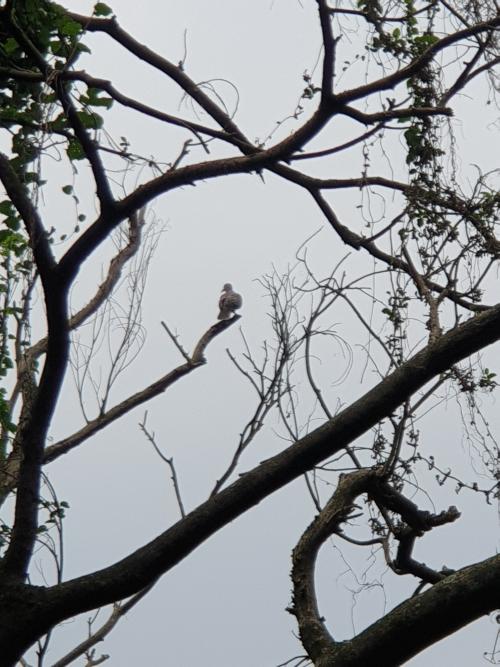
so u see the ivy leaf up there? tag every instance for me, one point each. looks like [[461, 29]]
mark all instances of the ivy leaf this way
[[70, 28], [82, 48], [75, 151], [102, 9], [103, 102], [6, 207], [12, 223], [92, 99], [10, 45], [91, 121], [60, 122]]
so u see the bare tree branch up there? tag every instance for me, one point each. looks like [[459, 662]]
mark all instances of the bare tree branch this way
[[159, 386]]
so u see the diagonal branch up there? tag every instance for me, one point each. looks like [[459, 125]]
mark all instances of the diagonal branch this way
[[456, 601], [119, 610], [196, 128], [155, 389], [144, 565], [188, 175], [103, 188], [174, 72], [136, 224], [392, 80]]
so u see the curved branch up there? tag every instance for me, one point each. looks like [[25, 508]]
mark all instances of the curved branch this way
[[313, 634], [136, 224], [188, 175], [131, 103], [33, 428], [455, 600]]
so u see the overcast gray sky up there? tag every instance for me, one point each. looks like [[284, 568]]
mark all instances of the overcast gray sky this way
[[225, 604]]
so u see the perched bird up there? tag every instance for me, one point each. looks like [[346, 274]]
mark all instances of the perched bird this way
[[229, 302]]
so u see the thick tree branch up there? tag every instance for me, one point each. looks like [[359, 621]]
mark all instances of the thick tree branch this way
[[103, 188], [329, 49], [33, 430], [313, 633], [395, 114], [457, 598], [421, 621], [140, 568], [19, 196], [179, 177]]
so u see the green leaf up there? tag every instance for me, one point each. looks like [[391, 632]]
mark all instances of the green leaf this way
[[60, 122], [82, 48], [10, 45], [103, 102], [31, 176], [6, 207], [75, 151], [89, 120], [67, 189], [70, 28], [93, 99], [12, 223], [101, 9]]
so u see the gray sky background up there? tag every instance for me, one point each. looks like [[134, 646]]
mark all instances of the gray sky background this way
[[225, 604]]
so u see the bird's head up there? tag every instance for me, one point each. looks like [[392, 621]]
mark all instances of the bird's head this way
[[227, 287]]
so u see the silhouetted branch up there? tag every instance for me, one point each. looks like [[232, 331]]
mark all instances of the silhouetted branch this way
[[168, 461], [159, 386]]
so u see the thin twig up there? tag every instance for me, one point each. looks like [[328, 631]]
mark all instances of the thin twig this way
[[168, 461]]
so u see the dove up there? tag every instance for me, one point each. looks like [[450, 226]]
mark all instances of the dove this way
[[229, 302]]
